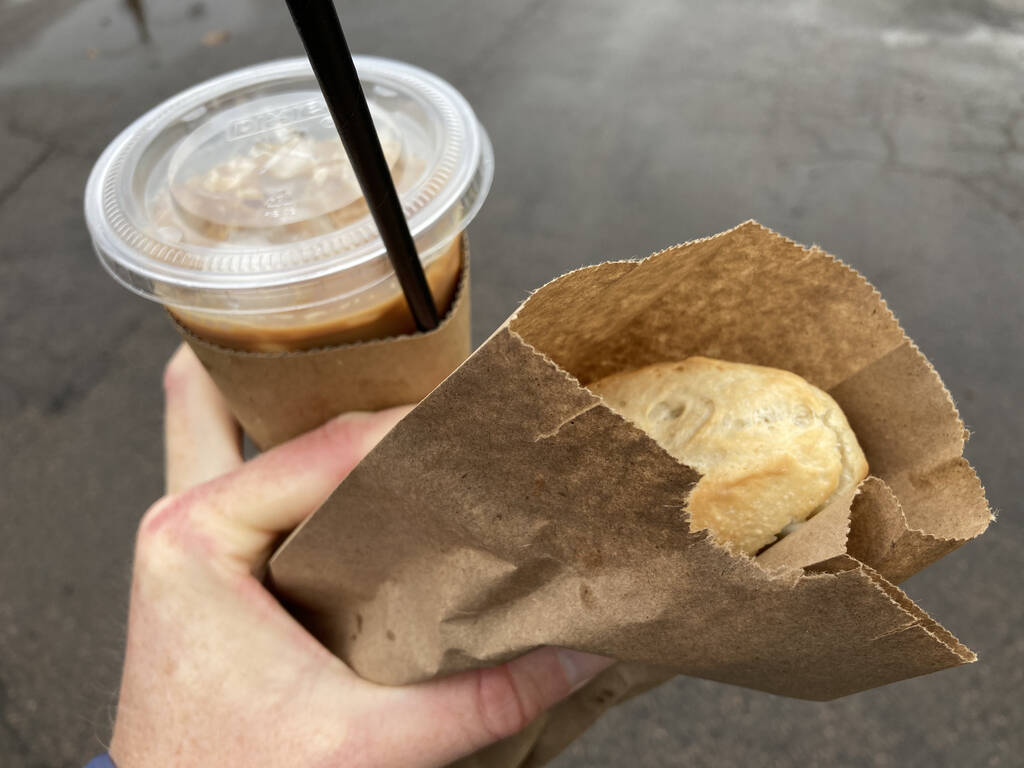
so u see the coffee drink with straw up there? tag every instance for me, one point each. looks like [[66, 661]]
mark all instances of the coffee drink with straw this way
[[234, 205]]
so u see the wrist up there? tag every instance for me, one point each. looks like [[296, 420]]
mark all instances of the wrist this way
[[101, 761]]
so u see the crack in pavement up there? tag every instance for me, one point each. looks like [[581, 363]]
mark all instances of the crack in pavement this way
[[80, 386], [24, 131], [8, 191]]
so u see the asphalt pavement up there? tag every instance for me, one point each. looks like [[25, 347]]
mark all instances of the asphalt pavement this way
[[890, 132]]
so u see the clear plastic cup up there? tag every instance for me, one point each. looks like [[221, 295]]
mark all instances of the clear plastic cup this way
[[234, 205]]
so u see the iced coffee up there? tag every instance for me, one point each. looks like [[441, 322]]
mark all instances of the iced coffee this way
[[235, 206]]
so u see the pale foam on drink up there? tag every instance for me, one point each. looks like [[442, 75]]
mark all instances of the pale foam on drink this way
[[235, 206]]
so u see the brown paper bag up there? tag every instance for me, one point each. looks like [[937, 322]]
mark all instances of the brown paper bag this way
[[511, 509], [276, 396]]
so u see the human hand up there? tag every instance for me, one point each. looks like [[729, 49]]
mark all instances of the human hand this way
[[216, 671]]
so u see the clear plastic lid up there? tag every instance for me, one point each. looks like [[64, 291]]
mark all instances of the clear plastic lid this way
[[233, 194]]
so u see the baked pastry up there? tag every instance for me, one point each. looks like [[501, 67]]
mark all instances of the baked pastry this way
[[773, 449]]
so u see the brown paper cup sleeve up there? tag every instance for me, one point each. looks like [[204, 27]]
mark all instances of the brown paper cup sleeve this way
[[277, 396]]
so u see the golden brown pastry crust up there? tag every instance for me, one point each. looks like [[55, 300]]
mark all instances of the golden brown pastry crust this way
[[772, 448]]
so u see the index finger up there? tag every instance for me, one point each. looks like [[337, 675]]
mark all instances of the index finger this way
[[202, 440]]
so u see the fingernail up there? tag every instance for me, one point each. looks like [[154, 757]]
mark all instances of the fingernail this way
[[580, 667]]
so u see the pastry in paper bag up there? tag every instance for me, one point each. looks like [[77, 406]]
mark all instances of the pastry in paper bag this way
[[512, 509]]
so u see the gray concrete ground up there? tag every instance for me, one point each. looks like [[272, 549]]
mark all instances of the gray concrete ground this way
[[891, 132]]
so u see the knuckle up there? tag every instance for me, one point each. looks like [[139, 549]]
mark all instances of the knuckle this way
[[341, 439], [341, 431], [505, 703], [163, 526]]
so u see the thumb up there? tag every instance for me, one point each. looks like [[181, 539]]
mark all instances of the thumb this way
[[443, 720]]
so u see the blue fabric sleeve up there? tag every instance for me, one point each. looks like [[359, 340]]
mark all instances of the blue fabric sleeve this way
[[103, 761]]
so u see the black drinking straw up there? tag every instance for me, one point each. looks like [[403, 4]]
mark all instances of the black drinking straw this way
[[320, 30]]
